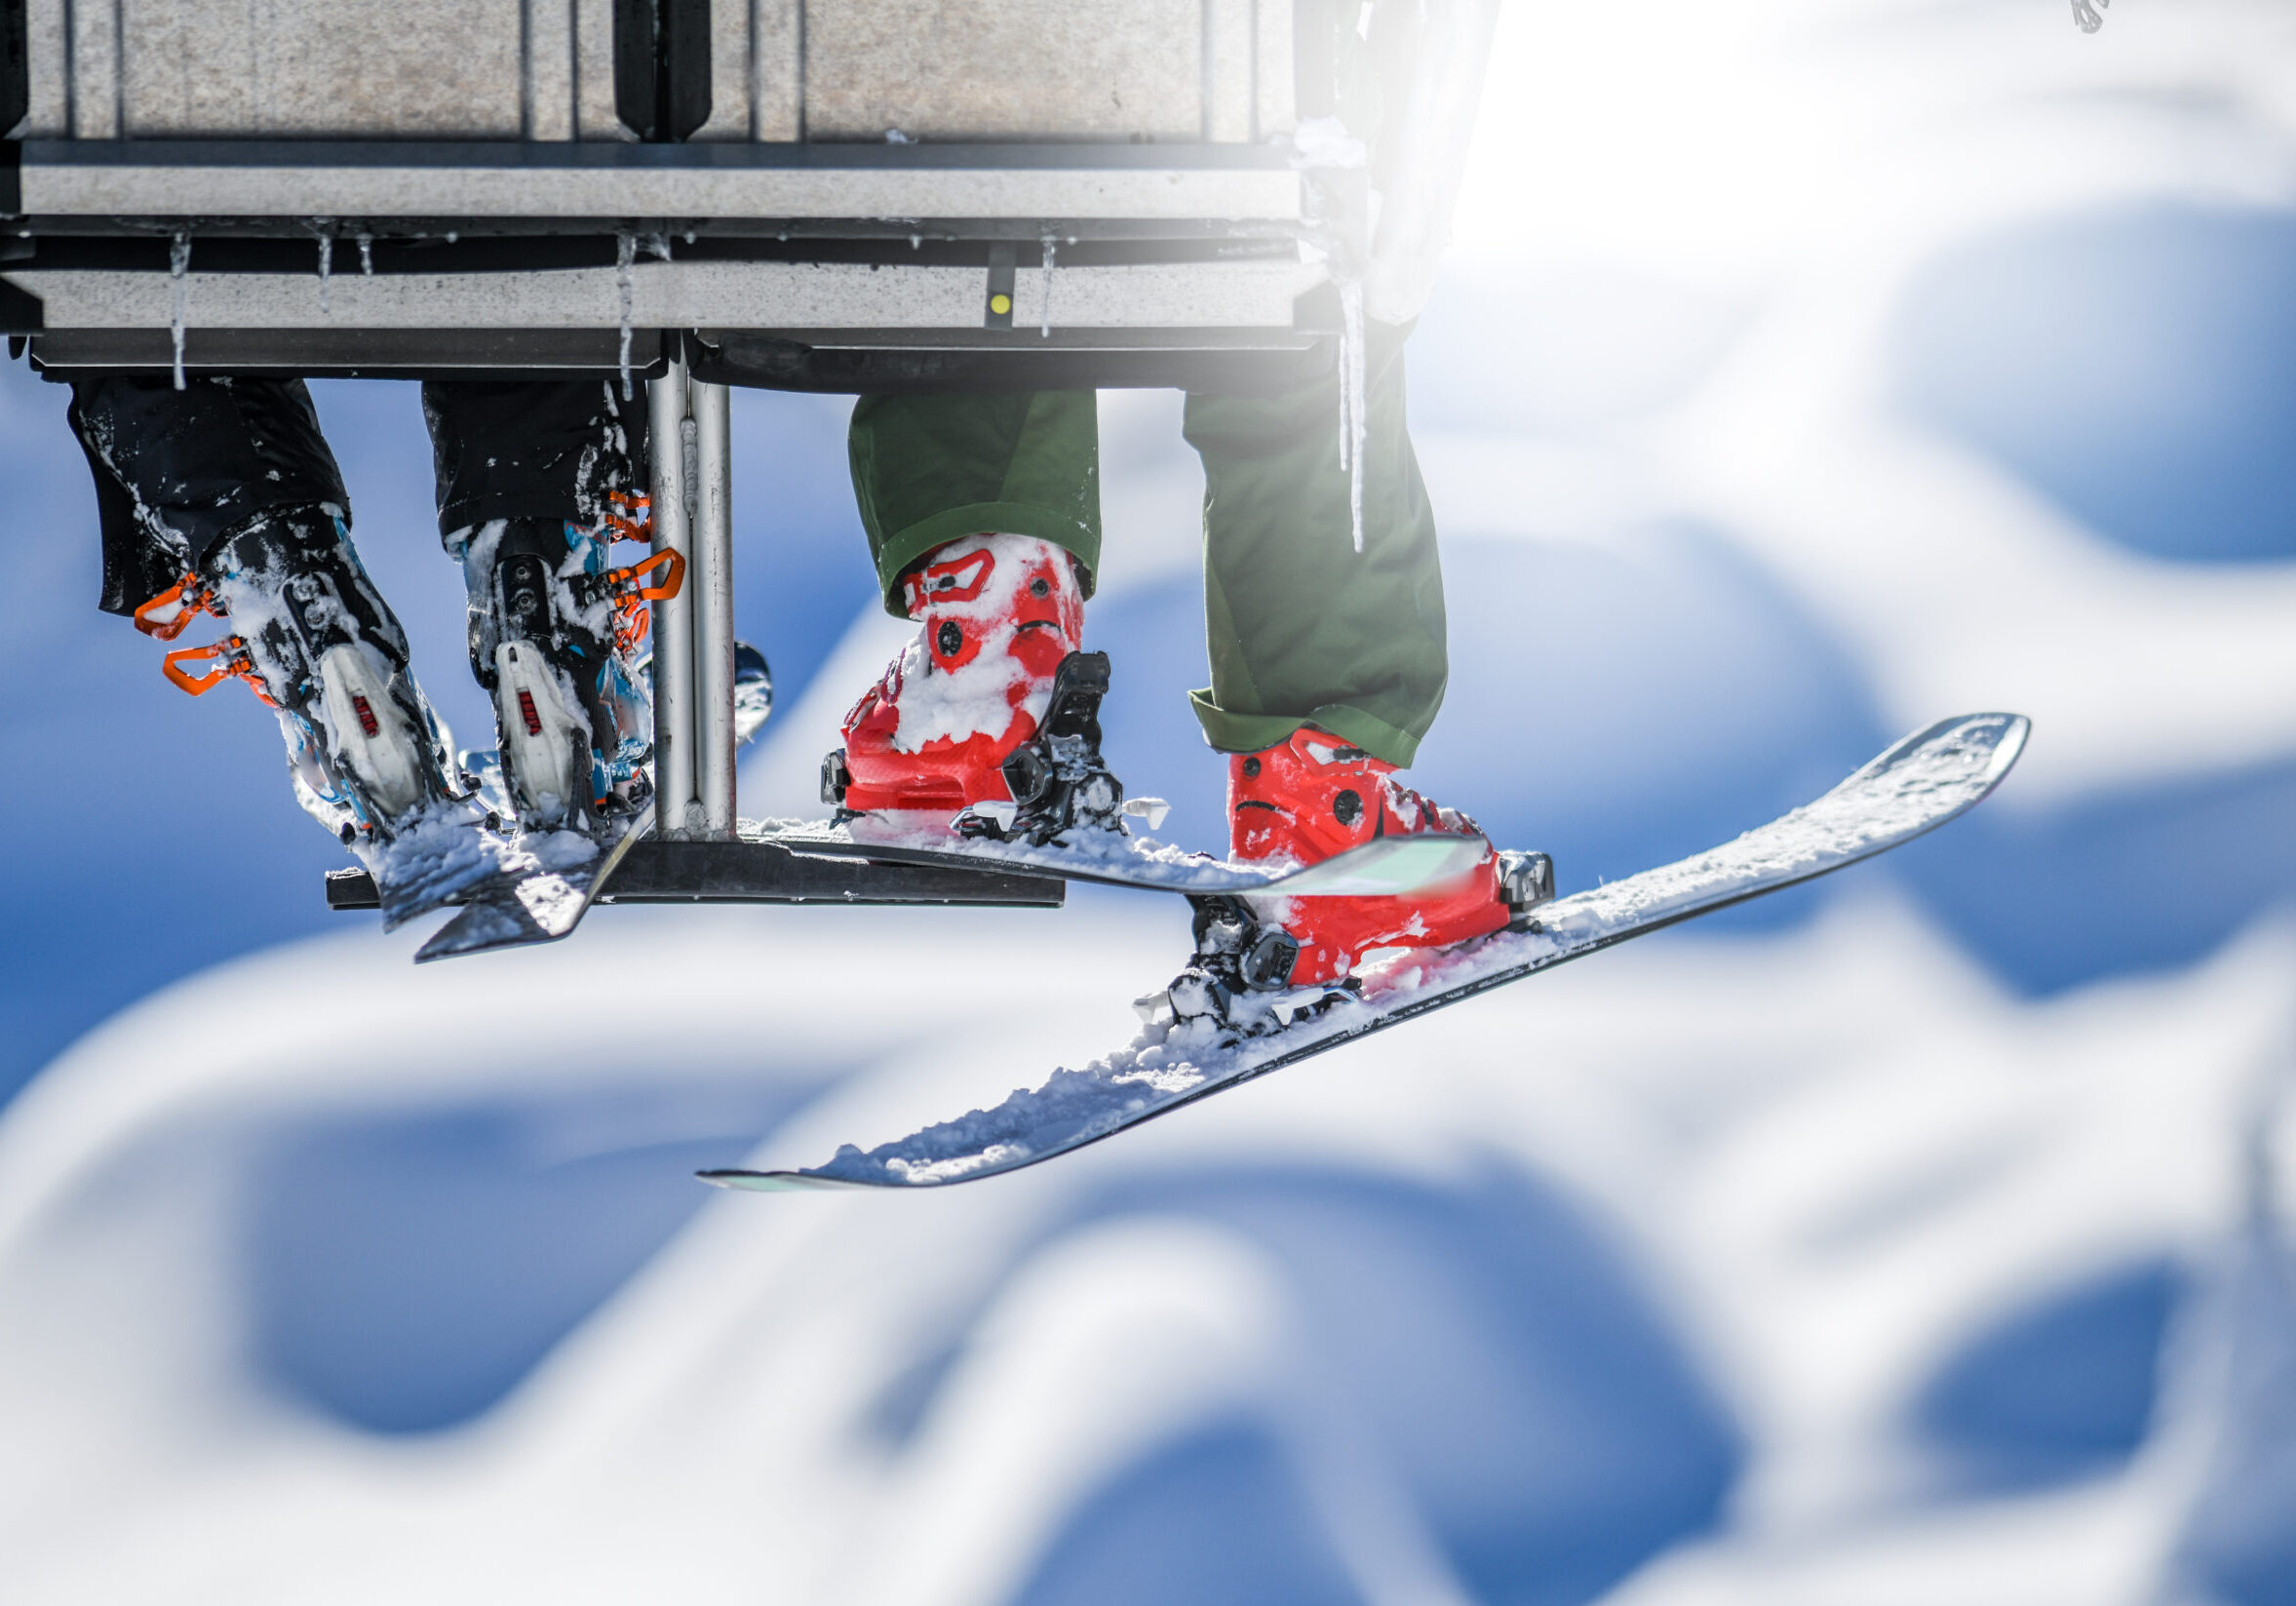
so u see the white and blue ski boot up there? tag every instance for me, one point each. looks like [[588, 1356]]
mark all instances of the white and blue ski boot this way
[[555, 633], [317, 643]]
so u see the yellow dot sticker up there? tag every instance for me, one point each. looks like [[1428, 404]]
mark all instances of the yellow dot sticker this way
[[1000, 303]]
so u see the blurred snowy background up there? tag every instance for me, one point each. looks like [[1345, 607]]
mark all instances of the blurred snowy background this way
[[1805, 371]]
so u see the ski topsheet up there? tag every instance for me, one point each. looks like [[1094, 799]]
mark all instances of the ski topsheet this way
[[1390, 867], [1916, 786]]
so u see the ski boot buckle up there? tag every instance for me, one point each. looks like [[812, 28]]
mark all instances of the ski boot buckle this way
[[231, 659], [629, 516], [631, 593], [170, 614]]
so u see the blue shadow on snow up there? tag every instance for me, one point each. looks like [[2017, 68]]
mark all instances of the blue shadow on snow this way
[[2061, 1389], [1489, 1351], [2135, 364], [407, 1268]]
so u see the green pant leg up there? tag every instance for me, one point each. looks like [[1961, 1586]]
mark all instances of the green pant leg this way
[[1302, 629], [930, 469]]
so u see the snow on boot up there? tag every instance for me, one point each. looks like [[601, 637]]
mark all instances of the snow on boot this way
[[553, 639], [1312, 797], [994, 709], [321, 646]]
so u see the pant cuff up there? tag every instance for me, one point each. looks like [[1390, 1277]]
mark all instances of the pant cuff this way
[[907, 546], [1252, 732]]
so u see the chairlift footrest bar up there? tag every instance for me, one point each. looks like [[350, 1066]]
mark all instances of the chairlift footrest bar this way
[[719, 872]]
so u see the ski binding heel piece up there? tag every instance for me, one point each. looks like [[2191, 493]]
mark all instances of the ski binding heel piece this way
[[1058, 779], [1526, 881], [835, 779], [372, 735], [546, 751]]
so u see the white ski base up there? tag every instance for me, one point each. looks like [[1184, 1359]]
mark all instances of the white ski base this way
[[1916, 786]]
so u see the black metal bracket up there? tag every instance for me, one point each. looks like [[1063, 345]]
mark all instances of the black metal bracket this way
[[998, 312], [16, 76], [20, 311], [654, 871], [662, 67], [925, 363], [337, 352]]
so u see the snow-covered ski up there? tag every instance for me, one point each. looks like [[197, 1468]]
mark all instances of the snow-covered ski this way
[[1386, 868], [449, 853], [1916, 786], [539, 901], [553, 879]]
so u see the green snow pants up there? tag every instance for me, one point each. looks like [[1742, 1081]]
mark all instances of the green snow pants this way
[[1302, 628]]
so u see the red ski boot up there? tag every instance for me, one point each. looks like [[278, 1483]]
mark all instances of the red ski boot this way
[[1312, 797], [991, 711], [1264, 962]]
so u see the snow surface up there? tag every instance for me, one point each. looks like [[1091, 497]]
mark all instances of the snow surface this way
[[1814, 1168]]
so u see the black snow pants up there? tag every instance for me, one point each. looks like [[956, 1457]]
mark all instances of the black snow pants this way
[[179, 470]]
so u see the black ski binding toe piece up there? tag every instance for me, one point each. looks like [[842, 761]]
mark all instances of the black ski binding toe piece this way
[[1058, 778], [1242, 977], [1526, 881]]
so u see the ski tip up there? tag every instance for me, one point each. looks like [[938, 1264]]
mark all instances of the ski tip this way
[[2015, 729], [1995, 736], [2001, 736], [479, 928]]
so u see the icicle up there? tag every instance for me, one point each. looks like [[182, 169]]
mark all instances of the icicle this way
[[367, 256], [625, 254], [179, 266], [1363, 19], [326, 262], [1354, 426], [1044, 331], [1323, 145]]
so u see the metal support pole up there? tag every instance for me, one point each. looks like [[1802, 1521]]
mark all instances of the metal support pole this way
[[713, 608], [673, 621]]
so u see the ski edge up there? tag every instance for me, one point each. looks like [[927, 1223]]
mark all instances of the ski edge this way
[[2015, 729]]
